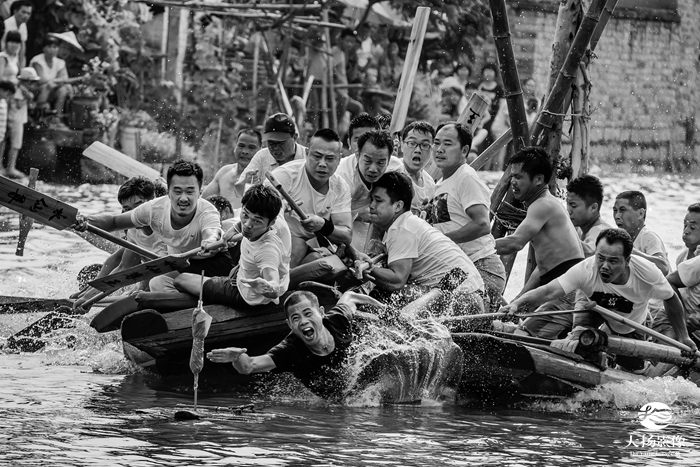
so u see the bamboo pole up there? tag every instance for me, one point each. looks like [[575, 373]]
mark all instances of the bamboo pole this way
[[648, 351], [567, 74], [410, 67], [217, 145], [604, 18], [331, 84], [26, 222], [509, 74]]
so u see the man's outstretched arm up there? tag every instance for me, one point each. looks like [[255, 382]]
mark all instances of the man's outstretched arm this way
[[537, 216], [242, 362]]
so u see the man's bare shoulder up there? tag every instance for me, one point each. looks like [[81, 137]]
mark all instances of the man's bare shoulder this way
[[225, 170]]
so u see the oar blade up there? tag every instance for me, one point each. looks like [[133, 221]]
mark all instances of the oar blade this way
[[142, 272], [38, 206]]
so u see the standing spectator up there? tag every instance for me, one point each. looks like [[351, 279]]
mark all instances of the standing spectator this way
[[18, 116], [364, 54], [21, 11], [493, 93], [463, 73], [7, 89], [346, 43], [391, 67]]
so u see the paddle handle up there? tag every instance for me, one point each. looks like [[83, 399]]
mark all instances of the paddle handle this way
[[121, 242], [290, 201], [612, 316], [323, 241], [214, 246]]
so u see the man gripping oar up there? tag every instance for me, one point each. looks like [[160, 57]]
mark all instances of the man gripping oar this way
[[322, 195], [183, 220], [618, 281]]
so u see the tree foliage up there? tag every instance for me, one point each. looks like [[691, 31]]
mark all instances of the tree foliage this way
[[461, 22]]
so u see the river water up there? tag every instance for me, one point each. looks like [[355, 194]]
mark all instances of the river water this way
[[79, 402]]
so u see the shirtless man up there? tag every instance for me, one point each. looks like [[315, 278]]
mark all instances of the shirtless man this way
[[280, 135], [417, 146], [248, 143], [547, 227], [361, 170], [320, 193], [182, 220], [630, 213], [584, 199], [617, 280]]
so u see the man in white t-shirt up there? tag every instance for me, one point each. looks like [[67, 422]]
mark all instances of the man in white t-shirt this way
[[417, 254], [280, 136], [182, 220], [686, 279], [630, 213], [248, 144], [417, 146], [361, 170], [133, 193], [615, 279], [262, 275], [323, 196], [460, 207], [21, 11]]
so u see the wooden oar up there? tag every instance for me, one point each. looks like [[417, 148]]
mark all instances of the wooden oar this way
[[152, 269], [322, 240], [474, 112], [26, 222], [52, 212], [499, 315], [612, 316], [119, 162]]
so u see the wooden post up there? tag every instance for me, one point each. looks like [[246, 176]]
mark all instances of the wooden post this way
[[331, 80], [509, 73], [217, 145], [256, 63], [25, 222], [324, 99], [410, 67]]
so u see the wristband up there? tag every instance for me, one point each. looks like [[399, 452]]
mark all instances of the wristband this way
[[327, 228]]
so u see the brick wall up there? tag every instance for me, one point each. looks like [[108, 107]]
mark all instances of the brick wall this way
[[646, 85]]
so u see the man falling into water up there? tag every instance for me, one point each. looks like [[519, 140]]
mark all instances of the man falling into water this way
[[315, 350], [546, 227]]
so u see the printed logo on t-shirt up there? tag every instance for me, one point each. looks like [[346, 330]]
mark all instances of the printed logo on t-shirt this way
[[613, 302], [437, 210]]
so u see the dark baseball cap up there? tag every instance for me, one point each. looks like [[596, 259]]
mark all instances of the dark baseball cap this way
[[278, 127]]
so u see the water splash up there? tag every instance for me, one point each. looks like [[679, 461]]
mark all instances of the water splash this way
[[628, 395], [406, 362]]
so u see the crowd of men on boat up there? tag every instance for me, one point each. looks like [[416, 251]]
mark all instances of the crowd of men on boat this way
[[403, 230]]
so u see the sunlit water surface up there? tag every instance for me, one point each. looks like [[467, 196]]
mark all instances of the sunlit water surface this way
[[79, 402]]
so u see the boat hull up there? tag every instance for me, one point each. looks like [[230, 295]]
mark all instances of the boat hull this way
[[495, 368]]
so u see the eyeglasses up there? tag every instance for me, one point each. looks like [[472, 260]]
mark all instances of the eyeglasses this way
[[423, 146]]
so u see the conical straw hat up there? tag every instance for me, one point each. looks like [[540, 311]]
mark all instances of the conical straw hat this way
[[68, 37]]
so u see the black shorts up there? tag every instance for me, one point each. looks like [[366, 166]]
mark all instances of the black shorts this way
[[558, 270], [222, 290]]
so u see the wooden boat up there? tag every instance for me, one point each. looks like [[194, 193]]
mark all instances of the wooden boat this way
[[162, 341], [500, 366]]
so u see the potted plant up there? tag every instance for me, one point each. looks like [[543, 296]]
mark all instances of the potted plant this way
[[133, 126]]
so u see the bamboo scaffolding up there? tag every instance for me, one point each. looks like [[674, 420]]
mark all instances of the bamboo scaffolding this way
[[233, 6], [567, 74], [331, 77]]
